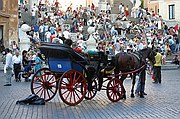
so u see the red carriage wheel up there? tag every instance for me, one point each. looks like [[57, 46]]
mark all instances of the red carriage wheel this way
[[91, 94], [44, 84], [72, 87], [114, 90]]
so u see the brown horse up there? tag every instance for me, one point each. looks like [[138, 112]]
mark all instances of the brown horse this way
[[133, 63]]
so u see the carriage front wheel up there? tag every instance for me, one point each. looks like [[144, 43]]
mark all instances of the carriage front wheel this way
[[44, 84], [114, 90], [72, 87]]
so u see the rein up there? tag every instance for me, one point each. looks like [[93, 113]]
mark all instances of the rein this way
[[134, 71]]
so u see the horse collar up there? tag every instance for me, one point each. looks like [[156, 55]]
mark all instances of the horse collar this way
[[139, 56]]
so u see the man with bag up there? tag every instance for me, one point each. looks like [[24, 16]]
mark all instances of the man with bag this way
[[8, 67]]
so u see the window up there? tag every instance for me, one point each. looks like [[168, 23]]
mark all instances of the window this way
[[172, 11], [1, 4]]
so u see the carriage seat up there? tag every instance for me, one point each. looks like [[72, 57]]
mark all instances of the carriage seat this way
[[108, 70]]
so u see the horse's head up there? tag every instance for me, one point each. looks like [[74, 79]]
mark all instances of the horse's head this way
[[151, 55]]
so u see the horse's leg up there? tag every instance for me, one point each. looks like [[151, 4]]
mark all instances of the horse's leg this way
[[142, 83], [123, 77], [133, 83]]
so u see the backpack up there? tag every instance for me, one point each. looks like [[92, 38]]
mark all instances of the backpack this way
[[32, 100]]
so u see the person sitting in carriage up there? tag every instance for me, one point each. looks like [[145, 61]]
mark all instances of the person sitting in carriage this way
[[27, 60]]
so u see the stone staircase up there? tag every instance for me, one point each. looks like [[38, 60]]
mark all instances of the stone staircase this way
[[115, 6], [169, 65]]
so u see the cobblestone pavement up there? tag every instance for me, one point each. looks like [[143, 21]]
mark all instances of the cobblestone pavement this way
[[162, 102]]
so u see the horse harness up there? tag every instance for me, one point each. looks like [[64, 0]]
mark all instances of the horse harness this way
[[140, 58]]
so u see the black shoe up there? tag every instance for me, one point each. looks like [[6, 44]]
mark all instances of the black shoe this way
[[144, 93], [155, 82], [7, 85]]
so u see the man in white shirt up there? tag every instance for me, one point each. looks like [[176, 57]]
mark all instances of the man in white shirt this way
[[8, 67], [120, 7], [17, 60], [48, 35], [34, 7], [41, 32], [66, 34], [33, 14]]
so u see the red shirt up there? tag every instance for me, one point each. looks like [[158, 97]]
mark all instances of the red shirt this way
[[51, 37]]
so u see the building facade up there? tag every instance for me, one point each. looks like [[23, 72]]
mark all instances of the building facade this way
[[168, 9], [8, 21]]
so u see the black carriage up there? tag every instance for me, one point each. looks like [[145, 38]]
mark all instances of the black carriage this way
[[76, 76]]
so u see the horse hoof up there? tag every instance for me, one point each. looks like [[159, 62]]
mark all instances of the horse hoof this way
[[132, 96], [123, 97]]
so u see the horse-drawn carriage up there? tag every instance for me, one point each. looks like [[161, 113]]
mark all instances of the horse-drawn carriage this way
[[76, 76]]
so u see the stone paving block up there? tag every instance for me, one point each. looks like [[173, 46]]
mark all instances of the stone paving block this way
[[162, 102]]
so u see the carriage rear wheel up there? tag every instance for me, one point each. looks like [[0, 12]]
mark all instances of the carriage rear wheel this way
[[44, 84], [91, 94], [114, 90], [72, 87]]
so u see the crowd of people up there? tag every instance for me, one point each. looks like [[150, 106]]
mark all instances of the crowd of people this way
[[52, 24]]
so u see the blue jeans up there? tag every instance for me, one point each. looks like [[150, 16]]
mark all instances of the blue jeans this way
[[41, 35], [172, 47], [139, 85]]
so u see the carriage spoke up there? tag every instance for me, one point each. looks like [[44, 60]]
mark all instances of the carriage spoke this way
[[77, 79], [77, 94], [52, 91], [63, 82], [38, 79], [116, 96], [65, 92], [74, 96], [44, 93], [37, 87], [39, 91], [70, 96], [37, 83], [71, 80], [111, 94], [52, 82], [48, 94], [50, 78], [53, 86], [91, 94], [67, 95], [74, 77], [79, 83], [88, 93]]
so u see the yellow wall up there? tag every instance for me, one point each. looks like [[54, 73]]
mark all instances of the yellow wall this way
[[9, 21]]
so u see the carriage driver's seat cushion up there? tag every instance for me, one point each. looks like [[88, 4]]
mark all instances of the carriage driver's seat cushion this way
[[108, 70]]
